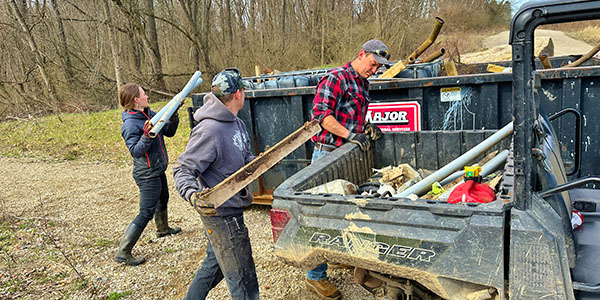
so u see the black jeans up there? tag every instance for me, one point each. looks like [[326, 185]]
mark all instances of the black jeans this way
[[229, 256], [154, 195]]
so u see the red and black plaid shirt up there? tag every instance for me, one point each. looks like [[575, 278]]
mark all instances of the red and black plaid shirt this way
[[343, 94]]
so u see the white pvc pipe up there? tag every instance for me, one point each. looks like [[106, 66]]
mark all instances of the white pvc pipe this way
[[424, 185], [189, 86], [159, 120]]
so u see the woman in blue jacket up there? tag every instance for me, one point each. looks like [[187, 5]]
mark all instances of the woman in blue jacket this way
[[150, 162]]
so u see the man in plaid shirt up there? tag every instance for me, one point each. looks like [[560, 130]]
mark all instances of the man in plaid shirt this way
[[340, 105]]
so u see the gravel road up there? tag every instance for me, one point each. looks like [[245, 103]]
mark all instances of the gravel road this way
[[563, 44], [60, 223]]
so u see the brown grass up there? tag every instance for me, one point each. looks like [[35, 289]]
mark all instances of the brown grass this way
[[590, 35]]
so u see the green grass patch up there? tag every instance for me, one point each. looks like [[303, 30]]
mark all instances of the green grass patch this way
[[13, 285], [102, 242], [81, 284], [6, 236], [169, 250], [118, 295], [28, 224], [89, 136]]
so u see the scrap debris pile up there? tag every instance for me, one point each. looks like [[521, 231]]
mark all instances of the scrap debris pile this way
[[391, 181]]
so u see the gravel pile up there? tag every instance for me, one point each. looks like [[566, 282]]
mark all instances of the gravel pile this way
[[60, 223]]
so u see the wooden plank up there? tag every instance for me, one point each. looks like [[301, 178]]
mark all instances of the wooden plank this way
[[240, 179], [394, 70], [495, 68]]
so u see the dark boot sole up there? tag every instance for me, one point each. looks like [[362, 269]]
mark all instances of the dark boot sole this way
[[123, 260], [163, 234]]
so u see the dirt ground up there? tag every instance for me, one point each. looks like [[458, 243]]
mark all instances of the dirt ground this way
[[563, 44], [60, 223]]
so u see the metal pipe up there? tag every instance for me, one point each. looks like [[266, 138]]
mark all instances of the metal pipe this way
[[160, 119], [434, 55], [584, 58], [486, 170], [577, 158], [483, 173], [434, 34], [424, 185], [570, 185]]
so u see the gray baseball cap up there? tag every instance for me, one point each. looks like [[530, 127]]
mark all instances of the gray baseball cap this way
[[379, 49], [228, 82]]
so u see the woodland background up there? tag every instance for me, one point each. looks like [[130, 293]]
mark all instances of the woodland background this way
[[61, 56]]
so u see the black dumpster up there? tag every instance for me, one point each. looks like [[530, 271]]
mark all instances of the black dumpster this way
[[466, 102]]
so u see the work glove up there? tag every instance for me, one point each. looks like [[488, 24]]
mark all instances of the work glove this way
[[203, 207], [147, 128], [360, 139], [373, 131]]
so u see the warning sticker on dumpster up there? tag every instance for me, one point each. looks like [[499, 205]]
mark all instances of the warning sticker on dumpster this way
[[395, 116], [450, 94]]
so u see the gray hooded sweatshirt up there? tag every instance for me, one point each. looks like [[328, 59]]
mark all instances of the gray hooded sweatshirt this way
[[218, 147]]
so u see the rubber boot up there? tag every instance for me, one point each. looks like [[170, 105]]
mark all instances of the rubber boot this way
[[131, 236], [162, 224]]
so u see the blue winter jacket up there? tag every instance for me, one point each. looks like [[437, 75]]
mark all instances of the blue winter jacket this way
[[150, 157]]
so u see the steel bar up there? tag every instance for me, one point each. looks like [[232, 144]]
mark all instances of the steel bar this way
[[424, 185]]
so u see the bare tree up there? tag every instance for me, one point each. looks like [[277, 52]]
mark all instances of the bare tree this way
[[152, 43], [39, 57], [62, 37], [114, 46]]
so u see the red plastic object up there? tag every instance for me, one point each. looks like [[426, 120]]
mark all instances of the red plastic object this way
[[473, 192], [279, 218], [576, 219]]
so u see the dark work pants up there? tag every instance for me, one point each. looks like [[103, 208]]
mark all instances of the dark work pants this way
[[154, 195], [229, 256]]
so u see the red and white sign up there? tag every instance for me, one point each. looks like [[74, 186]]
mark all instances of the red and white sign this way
[[395, 116]]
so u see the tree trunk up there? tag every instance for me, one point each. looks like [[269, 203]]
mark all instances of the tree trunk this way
[[63, 43], [37, 55], [153, 45], [114, 46], [135, 61], [196, 51], [322, 34], [204, 41], [283, 35], [229, 23], [201, 30]]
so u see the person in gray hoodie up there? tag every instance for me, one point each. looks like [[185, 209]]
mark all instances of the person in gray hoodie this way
[[218, 147]]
